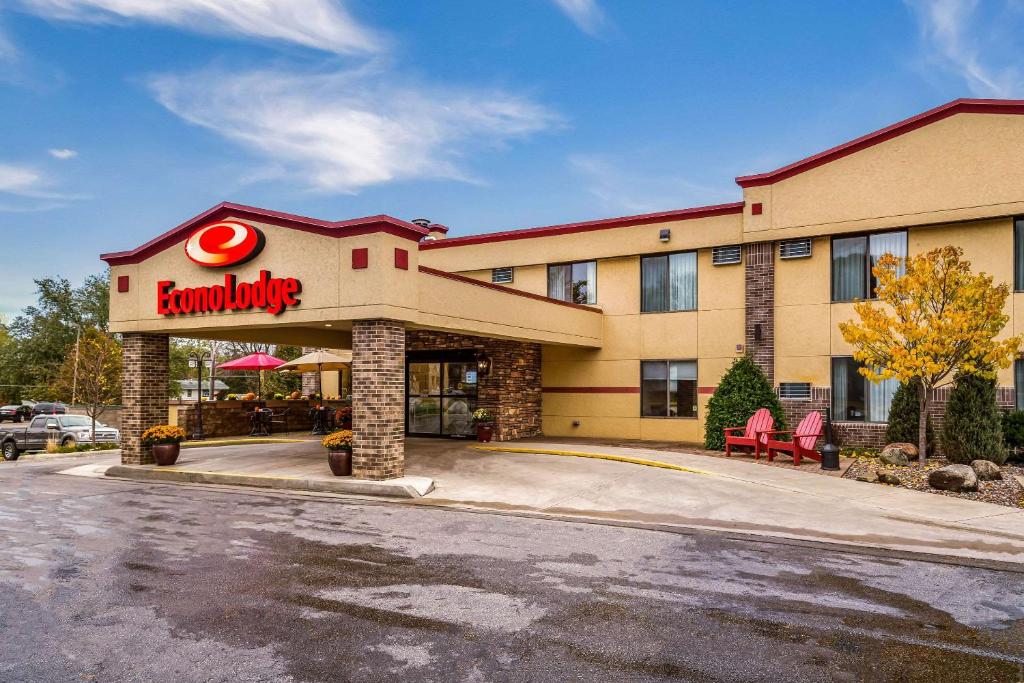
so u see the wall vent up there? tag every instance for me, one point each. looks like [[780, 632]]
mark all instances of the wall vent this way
[[798, 248], [501, 276], [795, 390], [723, 256]]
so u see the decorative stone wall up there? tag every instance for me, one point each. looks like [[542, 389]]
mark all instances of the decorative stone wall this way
[[378, 399], [872, 434], [759, 290], [512, 389], [143, 392], [231, 418]]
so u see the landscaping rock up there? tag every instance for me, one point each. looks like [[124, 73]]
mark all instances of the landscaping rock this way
[[986, 470], [888, 478], [954, 478], [869, 477], [898, 454]]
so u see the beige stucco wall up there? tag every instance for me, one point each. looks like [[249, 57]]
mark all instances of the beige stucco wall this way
[[956, 169]]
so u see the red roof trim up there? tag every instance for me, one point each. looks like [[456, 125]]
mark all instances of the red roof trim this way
[[502, 288], [349, 228], [587, 226], [961, 106]]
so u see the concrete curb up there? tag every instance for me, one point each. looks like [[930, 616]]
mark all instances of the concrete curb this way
[[405, 487]]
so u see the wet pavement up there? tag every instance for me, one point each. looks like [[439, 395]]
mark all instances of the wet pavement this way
[[114, 580]]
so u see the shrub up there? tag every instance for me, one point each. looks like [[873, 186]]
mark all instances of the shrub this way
[[743, 389], [905, 418], [163, 434], [973, 428], [340, 440], [1013, 431]]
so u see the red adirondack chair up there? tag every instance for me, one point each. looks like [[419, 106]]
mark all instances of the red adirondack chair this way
[[754, 433], [802, 440]]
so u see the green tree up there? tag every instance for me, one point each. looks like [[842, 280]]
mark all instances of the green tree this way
[[91, 374], [973, 428], [905, 418], [743, 390]]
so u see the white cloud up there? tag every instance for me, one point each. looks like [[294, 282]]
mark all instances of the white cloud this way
[[586, 14], [348, 130], [970, 45], [19, 180], [321, 24], [26, 183], [62, 153], [624, 190]]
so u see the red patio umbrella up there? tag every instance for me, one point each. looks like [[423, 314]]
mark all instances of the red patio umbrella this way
[[254, 361]]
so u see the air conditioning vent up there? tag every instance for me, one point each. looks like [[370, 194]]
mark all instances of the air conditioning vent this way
[[501, 276], [795, 390], [723, 256], [799, 248]]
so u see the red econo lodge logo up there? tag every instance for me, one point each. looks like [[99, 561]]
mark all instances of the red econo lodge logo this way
[[219, 245], [225, 243]]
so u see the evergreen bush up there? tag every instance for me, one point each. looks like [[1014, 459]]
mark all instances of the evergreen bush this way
[[744, 388], [905, 418], [1013, 432], [973, 427]]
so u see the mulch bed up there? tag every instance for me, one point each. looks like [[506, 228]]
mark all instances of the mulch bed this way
[[1006, 492]]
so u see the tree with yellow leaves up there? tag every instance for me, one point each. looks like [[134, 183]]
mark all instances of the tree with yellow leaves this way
[[91, 374], [930, 324]]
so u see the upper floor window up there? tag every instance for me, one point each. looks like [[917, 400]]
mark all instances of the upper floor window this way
[[1018, 254], [573, 282], [668, 282], [854, 257]]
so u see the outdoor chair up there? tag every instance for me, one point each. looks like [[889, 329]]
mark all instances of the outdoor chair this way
[[802, 440], [279, 417], [754, 433]]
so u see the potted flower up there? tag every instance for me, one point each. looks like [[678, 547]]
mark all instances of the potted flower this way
[[484, 424], [343, 417], [166, 442], [339, 452]]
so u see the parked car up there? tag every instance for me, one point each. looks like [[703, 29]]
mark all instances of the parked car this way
[[49, 409], [15, 413], [66, 430]]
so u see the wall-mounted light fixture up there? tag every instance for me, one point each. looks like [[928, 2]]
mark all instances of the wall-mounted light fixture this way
[[665, 235], [483, 364]]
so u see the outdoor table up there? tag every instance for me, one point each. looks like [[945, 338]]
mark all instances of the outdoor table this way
[[321, 419], [259, 420]]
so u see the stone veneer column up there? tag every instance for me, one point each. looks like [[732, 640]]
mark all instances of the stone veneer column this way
[[309, 379], [143, 392], [759, 286], [378, 399]]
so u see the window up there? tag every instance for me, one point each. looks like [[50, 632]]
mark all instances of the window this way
[[501, 276], [795, 390], [668, 282], [799, 248], [723, 256], [854, 398], [668, 388], [573, 282], [1018, 382], [854, 257], [1018, 256]]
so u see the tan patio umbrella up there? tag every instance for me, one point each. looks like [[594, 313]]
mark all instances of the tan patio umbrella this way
[[317, 362]]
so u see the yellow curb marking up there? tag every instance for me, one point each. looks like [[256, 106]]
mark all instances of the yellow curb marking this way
[[598, 456], [230, 474]]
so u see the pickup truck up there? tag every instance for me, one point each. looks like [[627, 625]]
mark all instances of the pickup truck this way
[[65, 430]]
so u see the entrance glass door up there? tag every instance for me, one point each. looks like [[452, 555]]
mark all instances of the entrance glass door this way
[[441, 393]]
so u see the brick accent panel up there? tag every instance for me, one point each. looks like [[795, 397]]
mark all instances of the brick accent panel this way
[[512, 389], [143, 392], [309, 379], [378, 399], [872, 434], [759, 289]]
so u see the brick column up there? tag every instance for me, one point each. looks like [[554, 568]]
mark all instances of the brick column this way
[[378, 399], [759, 286], [143, 392], [309, 379]]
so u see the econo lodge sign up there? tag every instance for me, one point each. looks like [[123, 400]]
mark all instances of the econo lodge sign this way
[[221, 245]]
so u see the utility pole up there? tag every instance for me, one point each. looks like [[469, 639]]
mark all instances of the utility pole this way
[[74, 380]]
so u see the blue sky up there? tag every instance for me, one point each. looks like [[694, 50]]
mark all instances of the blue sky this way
[[122, 118]]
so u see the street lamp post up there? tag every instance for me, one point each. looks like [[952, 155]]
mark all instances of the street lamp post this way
[[197, 359]]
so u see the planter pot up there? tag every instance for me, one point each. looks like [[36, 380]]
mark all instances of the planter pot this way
[[484, 433], [340, 462], [166, 454]]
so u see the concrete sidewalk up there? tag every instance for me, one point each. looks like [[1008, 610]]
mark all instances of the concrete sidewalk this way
[[712, 493]]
